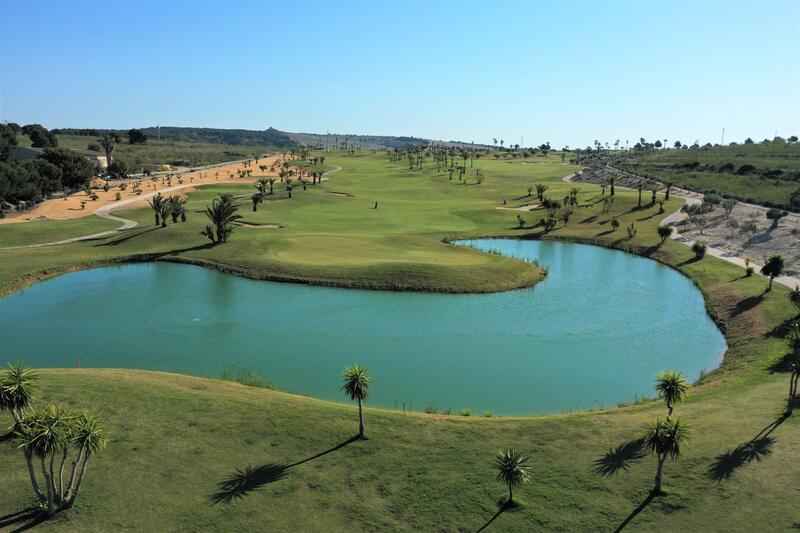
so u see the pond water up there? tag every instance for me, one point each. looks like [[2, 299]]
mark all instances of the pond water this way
[[594, 333]]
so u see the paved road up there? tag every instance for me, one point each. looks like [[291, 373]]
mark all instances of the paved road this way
[[105, 212]]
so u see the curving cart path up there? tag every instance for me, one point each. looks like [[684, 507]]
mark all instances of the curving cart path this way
[[105, 212]]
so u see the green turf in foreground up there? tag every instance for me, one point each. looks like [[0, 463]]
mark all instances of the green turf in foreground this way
[[174, 439]]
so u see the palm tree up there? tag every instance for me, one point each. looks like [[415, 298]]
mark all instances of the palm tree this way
[[773, 268], [512, 470], [261, 185], [158, 204], [668, 185], [17, 385], [47, 434], [640, 187], [222, 214], [611, 182], [271, 182], [175, 206], [356, 387], [671, 386], [665, 438], [664, 232], [794, 296], [256, 199], [540, 190]]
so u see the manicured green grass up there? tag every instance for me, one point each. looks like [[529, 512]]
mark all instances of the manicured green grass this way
[[40, 231], [174, 439]]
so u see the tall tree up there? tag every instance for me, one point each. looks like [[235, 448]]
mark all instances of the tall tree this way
[[666, 439], [671, 387], [773, 268], [356, 387]]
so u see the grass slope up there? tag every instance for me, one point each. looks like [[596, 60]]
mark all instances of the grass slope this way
[[175, 439]]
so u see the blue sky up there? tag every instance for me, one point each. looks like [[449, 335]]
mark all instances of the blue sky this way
[[567, 72]]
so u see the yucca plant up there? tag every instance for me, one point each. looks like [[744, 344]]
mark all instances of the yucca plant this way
[[356, 387], [17, 385], [50, 434], [222, 214], [671, 387], [512, 470], [666, 439]]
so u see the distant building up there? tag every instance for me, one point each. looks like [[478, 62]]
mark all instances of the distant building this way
[[25, 153]]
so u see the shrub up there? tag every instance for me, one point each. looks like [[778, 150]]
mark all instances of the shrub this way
[[466, 412], [699, 249]]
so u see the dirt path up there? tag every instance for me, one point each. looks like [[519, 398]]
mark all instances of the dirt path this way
[[105, 211], [677, 218]]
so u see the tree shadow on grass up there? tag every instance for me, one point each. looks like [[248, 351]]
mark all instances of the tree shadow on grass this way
[[251, 478], [746, 304], [756, 449], [126, 237], [502, 506], [619, 459], [636, 511], [23, 520]]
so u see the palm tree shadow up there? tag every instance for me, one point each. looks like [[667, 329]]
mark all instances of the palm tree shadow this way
[[619, 459], [252, 478], [636, 511], [25, 519], [727, 463], [244, 481], [326, 452], [754, 450], [502, 506]]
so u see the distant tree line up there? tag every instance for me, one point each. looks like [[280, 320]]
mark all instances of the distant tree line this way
[[59, 169]]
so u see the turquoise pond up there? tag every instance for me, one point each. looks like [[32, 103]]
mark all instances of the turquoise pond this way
[[594, 333]]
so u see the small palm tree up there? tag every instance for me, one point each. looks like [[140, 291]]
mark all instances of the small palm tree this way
[[512, 470], [672, 387], [664, 232], [158, 204], [271, 182], [222, 214], [541, 188], [773, 268], [611, 182], [17, 386], [666, 439], [356, 387], [256, 199], [261, 185]]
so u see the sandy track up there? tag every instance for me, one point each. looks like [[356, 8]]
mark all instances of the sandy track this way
[[105, 210]]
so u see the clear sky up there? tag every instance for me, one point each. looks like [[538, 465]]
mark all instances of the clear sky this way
[[566, 72]]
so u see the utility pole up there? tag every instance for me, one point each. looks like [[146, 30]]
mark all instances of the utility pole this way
[[723, 137]]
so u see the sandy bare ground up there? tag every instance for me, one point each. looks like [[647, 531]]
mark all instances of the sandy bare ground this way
[[79, 205], [721, 233], [105, 210]]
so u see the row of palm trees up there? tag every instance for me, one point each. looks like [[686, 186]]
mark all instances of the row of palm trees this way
[[52, 436]]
